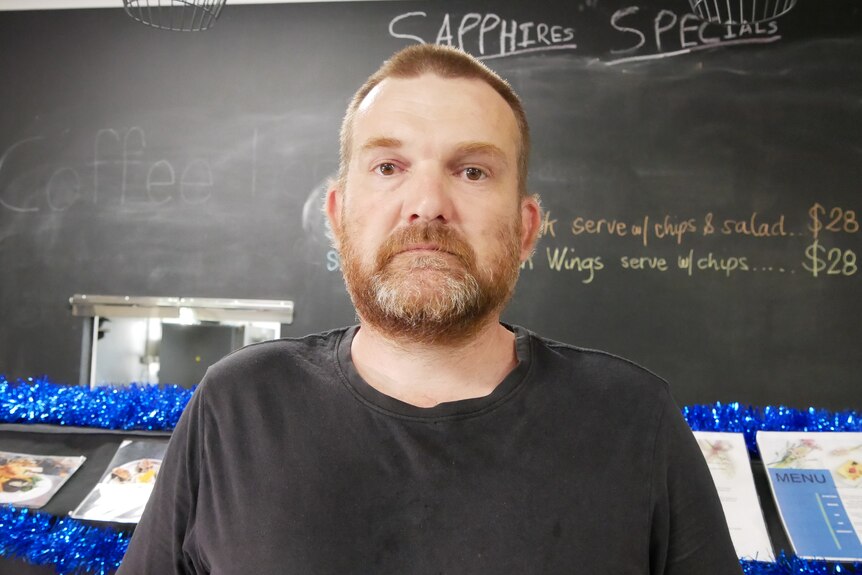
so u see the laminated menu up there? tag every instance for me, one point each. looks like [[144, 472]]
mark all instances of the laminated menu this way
[[28, 480], [727, 458], [125, 487], [816, 479]]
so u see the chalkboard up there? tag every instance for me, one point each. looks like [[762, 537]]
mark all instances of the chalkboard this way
[[702, 182]]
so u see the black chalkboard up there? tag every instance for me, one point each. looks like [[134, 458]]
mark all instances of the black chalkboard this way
[[135, 161]]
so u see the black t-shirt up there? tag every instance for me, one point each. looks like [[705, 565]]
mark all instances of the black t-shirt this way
[[287, 462]]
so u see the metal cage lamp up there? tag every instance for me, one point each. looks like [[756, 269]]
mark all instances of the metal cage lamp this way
[[176, 15], [741, 11]]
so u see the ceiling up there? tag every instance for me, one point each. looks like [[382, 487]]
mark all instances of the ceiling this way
[[70, 4]]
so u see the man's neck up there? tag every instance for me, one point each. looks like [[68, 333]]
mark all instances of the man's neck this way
[[426, 375]]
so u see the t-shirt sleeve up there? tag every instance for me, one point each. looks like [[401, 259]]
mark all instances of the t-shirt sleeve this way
[[689, 531], [163, 541]]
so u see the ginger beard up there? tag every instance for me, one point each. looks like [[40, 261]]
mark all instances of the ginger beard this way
[[441, 297]]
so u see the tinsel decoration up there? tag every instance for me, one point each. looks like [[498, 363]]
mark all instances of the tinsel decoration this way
[[748, 420], [792, 565], [76, 548], [67, 544], [133, 407]]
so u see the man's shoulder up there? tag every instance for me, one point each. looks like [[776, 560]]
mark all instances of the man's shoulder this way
[[299, 348], [593, 369], [277, 359], [586, 357]]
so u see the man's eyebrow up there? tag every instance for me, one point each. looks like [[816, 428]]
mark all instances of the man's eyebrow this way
[[381, 142], [483, 148], [463, 149]]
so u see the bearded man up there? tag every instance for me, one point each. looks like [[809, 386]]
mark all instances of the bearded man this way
[[431, 438]]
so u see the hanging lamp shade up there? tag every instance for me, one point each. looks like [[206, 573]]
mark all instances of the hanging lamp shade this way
[[176, 15], [741, 11]]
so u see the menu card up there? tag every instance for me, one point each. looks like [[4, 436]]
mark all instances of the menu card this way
[[727, 458], [816, 479], [28, 480], [126, 485]]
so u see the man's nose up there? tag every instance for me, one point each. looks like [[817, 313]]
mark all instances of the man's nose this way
[[427, 198]]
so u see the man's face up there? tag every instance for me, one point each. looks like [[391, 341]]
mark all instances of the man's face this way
[[430, 225]]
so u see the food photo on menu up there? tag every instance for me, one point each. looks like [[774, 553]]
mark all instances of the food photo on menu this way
[[28, 480], [125, 487]]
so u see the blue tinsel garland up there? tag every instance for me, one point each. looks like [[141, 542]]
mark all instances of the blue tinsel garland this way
[[748, 420], [74, 547], [141, 407], [68, 544]]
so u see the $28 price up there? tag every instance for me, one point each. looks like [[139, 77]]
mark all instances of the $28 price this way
[[830, 262], [839, 220]]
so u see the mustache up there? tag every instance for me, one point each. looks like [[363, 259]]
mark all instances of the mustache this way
[[440, 236]]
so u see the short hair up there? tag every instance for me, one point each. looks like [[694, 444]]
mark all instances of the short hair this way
[[446, 62]]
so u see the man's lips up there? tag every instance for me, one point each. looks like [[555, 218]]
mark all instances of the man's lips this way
[[425, 248]]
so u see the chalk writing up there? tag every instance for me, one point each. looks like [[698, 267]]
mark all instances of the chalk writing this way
[[122, 170], [548, 224], [333, 262], [637, 33], [658, 232], [643, 263], [678, 229], [486, 35], [727, 265], [566, 259], [640, 34], [833, 262], [3, 160], [821, 261], [582, 225], [752, 226], [840, 220], [670, 34], [668, 227]]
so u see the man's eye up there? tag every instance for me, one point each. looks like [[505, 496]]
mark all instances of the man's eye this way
[[474, 174], [386, 169]]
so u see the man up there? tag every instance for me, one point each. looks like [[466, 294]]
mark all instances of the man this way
[[431, 438]]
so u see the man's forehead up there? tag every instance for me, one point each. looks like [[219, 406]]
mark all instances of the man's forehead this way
[[435, 97], [370, 97], [457, 88]]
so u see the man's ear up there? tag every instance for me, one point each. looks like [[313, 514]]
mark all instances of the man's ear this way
[[333, 206], [531, 220]]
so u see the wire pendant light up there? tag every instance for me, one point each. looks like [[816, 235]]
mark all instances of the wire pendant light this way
[[741, 11], [176, 15]]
